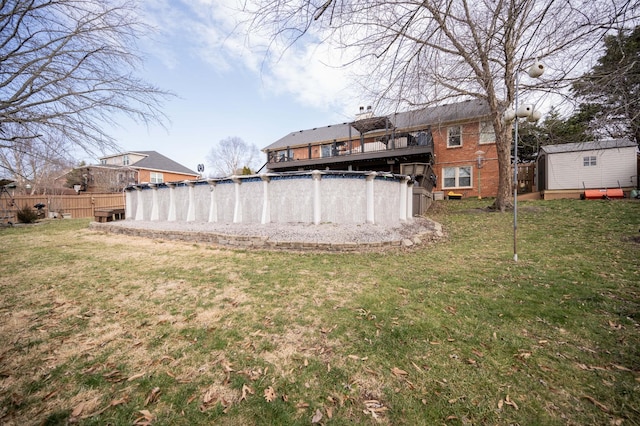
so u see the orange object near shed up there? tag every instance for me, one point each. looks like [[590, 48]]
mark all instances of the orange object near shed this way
[[599, 194]]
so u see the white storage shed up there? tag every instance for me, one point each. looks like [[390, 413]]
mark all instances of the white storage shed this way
[[588, 165]]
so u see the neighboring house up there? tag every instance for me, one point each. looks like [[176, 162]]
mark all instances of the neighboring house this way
[[439, 146], [118, 171], [574, 167]]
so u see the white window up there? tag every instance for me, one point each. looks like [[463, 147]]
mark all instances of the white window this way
[[157, 177], [589, 161], [454, 136], [487, 135], [325, 150], [456, 177], [125, 160]]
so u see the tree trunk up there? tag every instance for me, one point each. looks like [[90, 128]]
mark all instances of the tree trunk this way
[[504, 197]]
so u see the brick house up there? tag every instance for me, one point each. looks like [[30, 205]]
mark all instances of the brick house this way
[[118, 171], [448, 148]]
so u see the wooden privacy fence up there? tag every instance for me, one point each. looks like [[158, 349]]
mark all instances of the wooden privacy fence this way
[[74, 206]]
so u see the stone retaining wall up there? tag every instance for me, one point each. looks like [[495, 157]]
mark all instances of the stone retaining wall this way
[[264, 242]]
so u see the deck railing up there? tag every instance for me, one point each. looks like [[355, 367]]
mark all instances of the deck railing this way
[[349, 148]]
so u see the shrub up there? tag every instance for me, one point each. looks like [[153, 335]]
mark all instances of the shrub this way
[[27, 215]]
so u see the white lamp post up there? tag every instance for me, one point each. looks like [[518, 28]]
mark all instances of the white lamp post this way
[[522, 111]]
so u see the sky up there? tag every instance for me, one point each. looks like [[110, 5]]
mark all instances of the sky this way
[[225, 86]]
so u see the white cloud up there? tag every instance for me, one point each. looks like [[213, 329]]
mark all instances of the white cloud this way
[[216, 33], [314, 75]]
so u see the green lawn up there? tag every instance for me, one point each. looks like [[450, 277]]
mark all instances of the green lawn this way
[[107, 329]]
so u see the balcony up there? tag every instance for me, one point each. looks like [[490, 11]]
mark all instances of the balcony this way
[[364, 154]]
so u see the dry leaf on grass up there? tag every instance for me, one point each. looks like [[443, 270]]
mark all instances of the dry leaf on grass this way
[[325, 330], [523, 355], [135, 376], [508, 401], [477, 353], [596, 403], [374, 408], [316, 417], [620, 367], [163, 359], [269, 394], [211, 397], [398, 372], [590, 367], [370, 371], [153, 396], [87, 405], [227, 366], [358, 358], [77, 410], [329, 412], [113, 376], [245, 391], [145, 419], [615, 325], [84, 406]]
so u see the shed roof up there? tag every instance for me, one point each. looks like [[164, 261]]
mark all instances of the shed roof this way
[[429, 116], [588, 146]]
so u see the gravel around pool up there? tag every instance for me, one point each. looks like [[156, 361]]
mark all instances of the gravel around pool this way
[[289, 236]]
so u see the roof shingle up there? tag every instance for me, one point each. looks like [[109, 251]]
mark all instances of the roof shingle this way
[[429, 116]]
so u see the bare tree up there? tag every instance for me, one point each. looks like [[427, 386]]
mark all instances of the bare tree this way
[[231, 155], [67, 70], [101, 178], [35, 164], [428, 52]]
